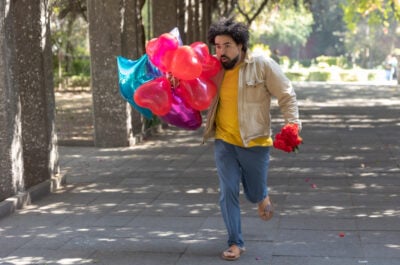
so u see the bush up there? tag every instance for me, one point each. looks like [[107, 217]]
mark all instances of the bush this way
[[372, 76], [295, 76], [329, 60], [80, 66], [318, 76], [78, 81], [340, 61], [348, 77]]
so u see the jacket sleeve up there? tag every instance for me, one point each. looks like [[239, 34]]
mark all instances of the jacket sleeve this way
[[280, 87]]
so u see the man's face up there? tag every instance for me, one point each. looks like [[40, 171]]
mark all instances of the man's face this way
[[228, 52]]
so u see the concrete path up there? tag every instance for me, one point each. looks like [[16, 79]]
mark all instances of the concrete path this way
[[337, 200]]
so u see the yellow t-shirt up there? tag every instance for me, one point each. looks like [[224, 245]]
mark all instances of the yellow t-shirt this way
[[227, 121]]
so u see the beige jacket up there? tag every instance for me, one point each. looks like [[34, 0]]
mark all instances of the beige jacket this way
[[260, 79]]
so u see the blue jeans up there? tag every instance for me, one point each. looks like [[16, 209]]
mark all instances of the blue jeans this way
[[234, 165]]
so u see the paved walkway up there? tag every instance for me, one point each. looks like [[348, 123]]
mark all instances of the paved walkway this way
[[338, 200]]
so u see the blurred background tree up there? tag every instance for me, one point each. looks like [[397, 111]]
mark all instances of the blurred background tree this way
[[372, 30], [360, 32], [70, 42]]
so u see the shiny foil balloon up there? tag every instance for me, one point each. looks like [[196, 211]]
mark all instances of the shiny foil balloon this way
[[197, 93], [182, 115], [155, 95], [132, 74]]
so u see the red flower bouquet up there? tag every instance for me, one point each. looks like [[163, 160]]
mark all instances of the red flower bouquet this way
[[288, 139]]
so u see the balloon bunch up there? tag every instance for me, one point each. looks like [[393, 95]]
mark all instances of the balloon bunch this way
[[172, 80]]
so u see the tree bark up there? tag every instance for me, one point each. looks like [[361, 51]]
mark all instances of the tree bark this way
[[111, 112], [164, 16], [27, 133], [133, 47]]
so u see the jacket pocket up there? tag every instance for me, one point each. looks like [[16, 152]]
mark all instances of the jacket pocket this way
[[255, 92]]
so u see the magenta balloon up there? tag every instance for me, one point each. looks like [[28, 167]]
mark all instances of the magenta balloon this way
[[157, 48], [182, 115]]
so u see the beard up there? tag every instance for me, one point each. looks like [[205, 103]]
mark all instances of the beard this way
[[230, 63]]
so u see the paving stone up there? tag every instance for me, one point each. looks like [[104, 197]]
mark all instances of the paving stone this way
[[157, 202]]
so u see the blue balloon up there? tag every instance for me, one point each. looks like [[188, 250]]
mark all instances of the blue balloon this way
[[132, 74]]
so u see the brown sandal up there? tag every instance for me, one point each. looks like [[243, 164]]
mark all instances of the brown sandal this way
[[266, 209], [232, 253]]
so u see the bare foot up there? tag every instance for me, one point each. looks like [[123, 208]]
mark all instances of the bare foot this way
[[265, 209]]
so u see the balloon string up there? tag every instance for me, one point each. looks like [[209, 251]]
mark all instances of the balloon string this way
[[173, 80]]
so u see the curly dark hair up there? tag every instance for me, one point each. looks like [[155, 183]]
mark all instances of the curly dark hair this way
[[228, 26]]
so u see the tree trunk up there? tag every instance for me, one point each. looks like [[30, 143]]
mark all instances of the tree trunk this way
[[27, 132], [33, 77], [181, 10], [133, 46], [111, 112], [164, 16]]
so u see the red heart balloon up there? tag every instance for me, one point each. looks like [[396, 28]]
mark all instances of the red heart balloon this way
[[198, 93], [155, 95], [210, 67], [201, 49], [185, 64]]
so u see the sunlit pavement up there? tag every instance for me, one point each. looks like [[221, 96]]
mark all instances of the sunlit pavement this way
[[337, 200]]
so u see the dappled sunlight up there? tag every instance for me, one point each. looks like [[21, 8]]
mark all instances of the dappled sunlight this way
[[397, 247], [170, 233], [164, 192], [380, 214], [44, 260]]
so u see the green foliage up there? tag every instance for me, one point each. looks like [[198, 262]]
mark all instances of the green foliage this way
[[80, 66], [327, 37], [69, 41], [372, 30], [296, 75], [318, 76], [348, 77], [372, 76], [282, 24], [374, 12], [79, 81], [340, 61]]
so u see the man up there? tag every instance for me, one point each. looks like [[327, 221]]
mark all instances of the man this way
[[239, 120]]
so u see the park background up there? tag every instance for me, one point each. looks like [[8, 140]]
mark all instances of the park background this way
[[323, 41]]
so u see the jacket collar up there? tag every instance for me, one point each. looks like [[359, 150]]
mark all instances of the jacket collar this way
[[249, 58]]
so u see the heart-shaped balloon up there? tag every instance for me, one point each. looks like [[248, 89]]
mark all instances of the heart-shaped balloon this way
[[198, 93], [201, 49], [133, 74], [182, 115], [155, 95], [157, 47], [211, 66], [185, 64]]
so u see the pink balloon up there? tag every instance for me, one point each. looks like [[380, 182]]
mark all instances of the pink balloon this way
[[182, 115], [158, 47], [210, 67], [155, 95], [185, 64], [198, 93], [201, 49]]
